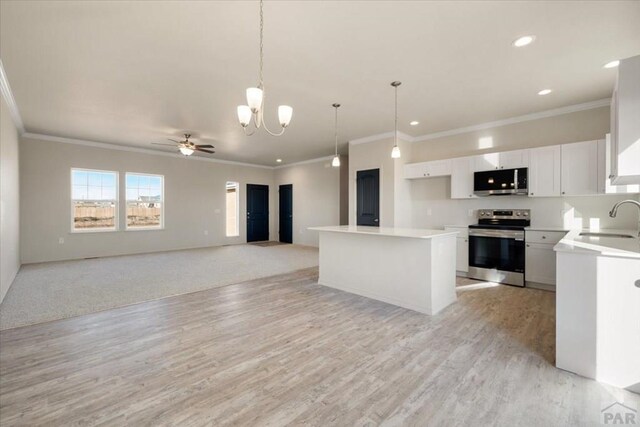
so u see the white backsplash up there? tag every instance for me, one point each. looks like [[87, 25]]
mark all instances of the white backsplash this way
[[432, 207]]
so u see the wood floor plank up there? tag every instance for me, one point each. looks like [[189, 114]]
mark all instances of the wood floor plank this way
[[283, 350]]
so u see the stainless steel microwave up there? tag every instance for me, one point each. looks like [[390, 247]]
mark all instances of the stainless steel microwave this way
[[500, 182]]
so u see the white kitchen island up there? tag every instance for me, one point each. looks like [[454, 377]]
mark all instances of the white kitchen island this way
[[410, 268]]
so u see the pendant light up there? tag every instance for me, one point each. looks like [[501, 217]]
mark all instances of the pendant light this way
[[336, 159], [255, 100], [395, 151]]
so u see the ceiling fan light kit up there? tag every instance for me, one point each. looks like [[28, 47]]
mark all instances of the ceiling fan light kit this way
[[255, 100], [187, 147]]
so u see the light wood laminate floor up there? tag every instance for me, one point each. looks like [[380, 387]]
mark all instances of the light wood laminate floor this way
[[284, 350]]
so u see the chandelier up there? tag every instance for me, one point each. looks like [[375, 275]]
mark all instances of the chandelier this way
[[255, 101]]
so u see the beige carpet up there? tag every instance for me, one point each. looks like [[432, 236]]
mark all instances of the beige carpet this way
[[57, 290]]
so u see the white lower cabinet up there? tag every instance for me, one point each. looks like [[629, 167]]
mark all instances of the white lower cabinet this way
[[462, 248], [540, 258]]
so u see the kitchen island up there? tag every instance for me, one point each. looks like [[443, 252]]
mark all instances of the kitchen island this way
[[410, 268]]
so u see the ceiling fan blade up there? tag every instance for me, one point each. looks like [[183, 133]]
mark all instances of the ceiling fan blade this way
[[177, 142], [205, 146], [203, 150], [166, 145]]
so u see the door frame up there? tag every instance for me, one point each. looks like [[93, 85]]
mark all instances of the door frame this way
[[354, 199], [280, 213]]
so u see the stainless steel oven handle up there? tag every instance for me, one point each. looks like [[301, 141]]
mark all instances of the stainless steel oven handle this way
[[498, 234]]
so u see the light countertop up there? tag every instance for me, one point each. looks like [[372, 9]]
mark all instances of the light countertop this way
[[599, 245], [416, 233]]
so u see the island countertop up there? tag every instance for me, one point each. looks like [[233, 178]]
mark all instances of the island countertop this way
[[415, 233]]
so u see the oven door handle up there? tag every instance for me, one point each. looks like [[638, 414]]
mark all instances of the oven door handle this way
[[517, 235]]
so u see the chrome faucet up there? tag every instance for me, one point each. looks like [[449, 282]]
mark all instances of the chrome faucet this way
[[614, 210]]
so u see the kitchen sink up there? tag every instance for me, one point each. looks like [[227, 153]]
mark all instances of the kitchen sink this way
[[594, 234]]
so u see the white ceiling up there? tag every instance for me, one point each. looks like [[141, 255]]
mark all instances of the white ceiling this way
[[133, 73]]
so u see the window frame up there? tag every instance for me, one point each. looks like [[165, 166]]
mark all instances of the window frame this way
[[116, 218], [162, 202], [226, 210]]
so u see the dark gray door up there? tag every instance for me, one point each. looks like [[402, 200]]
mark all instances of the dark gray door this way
[[257, 212], [286, 213], [368, 196]]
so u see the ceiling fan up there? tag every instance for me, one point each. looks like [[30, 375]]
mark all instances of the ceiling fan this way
[[187, 147]]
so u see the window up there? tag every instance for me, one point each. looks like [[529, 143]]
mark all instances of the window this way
[[233, 209], [145, 201], [94, 200]]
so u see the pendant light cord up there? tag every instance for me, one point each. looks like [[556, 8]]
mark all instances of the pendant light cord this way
[[261, 45], [336, 134], [395, 134]]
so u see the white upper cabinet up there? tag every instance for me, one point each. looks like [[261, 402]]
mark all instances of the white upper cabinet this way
[[514, 159], [544, 171], [462, 177], [505, 160], [486, 162], [427, 169], [625, 124], [604, 172], [579, 169]]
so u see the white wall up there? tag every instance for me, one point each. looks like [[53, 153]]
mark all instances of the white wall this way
[[584, 125], [194, 201], [316, 198], [9, 200]]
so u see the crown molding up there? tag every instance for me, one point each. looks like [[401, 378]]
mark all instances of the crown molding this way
[[304, 162], [518, 119], [5, 88], [488, 125], [381, 136], [133, 149]]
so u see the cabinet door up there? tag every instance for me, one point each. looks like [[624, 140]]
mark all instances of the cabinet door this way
[[486, 162], [438, 168], [579, 166], [604, 172], [544, 171], [462, 254], [414, 170], [540, 263], [514, 159], [462, 178]]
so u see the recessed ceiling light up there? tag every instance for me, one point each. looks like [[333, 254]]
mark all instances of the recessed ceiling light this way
[[414, 123], [612, 64], [523, 41], [279, 160], [544, 92]]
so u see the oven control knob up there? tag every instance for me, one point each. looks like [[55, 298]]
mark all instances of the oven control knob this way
[[526, 214], [517, 213]]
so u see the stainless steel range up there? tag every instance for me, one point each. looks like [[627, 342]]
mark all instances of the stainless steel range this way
[[496, 245]]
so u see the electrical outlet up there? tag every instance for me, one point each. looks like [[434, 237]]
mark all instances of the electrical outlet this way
[[470, 213], [61, 240], [429, 212], [206, 232], [217, 211]]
